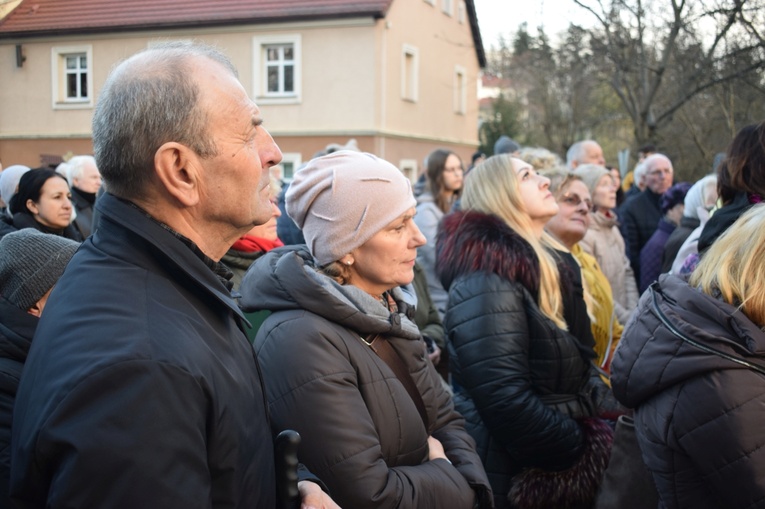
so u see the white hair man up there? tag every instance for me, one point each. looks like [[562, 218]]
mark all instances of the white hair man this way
[[584, 152], [141, 389], [85, 181], [640, 215]]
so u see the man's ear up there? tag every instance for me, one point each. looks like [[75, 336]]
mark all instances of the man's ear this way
[[178, 169], [36, 309]]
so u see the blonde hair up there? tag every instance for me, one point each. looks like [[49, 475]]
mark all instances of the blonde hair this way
[[492, 188], [735, 265]]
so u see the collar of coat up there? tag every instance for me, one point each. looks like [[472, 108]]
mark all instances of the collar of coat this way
[[471, 242]]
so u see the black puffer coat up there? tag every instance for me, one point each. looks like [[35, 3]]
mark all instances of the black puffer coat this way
[[16, 330], [698, 417], [361, 431], [521, 380]]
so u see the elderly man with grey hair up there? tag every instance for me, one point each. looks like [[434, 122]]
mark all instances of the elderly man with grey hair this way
[[584, 152], [640, 215], [85, 181], [141, 388]]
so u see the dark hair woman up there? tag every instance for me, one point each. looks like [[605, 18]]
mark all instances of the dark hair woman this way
[[444, 177], [44, 202]]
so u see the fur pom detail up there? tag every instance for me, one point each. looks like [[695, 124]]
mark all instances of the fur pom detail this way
[[574, 488]]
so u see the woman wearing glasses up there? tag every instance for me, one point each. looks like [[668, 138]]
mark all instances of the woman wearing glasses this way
[[521, 376], [444, 183], [604, 241], [569, 226]]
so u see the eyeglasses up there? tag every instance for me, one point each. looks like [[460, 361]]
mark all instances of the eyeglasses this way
[[575, 200]]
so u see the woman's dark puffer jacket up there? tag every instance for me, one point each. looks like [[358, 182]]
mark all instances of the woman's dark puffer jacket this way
[[698, 417], [521, 380], [361, 431]]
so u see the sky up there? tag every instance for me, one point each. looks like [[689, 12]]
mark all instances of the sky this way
[[497, 17]]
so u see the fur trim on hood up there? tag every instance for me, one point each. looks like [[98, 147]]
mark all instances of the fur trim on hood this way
[[471, 241]]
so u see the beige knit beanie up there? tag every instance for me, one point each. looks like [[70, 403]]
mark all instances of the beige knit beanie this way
[[343, 199]]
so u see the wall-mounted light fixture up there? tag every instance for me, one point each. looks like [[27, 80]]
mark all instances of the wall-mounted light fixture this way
[[20, 58]]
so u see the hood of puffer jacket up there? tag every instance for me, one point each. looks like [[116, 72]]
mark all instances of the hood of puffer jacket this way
[[471, 241], [651, 359], [287, 278]]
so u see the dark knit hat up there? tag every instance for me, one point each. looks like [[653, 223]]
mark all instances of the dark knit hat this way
[[343, 199], [30, 264], [675, 195], [505, 145]]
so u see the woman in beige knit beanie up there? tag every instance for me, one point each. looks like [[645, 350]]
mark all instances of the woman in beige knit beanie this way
[[344, 363]]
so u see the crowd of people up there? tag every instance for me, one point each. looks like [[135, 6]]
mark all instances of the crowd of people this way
[[467, 341]]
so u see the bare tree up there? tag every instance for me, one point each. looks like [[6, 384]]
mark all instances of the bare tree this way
[[657, 55]]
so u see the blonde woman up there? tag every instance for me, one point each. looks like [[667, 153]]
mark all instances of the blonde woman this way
[[521, 377], [692, 364]]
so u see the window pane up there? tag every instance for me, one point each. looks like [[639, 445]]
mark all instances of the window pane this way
[[83, 85], [288, 52], [83, 62], [273, 79], [288, 78], [273, 54], [71, 62], [288, 170], [71, 86]]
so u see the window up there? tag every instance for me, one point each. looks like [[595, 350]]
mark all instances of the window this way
[[291, 161], [448, 7], [409, 73], [276, 69], [431, 2], [409, 168], [72, 77], [460, 90], [461, 12]]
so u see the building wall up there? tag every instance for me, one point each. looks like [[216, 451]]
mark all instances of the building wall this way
[[351, 85]]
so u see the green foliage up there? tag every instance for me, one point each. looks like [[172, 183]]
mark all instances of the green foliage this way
[[504, 120]]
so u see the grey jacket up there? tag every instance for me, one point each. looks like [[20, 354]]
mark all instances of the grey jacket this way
[[360, 429], [427, 219]]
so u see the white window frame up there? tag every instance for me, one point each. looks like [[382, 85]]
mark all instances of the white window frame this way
[[461, 12], [431, 2], [294, 158], [409, 168], [260, 75], [447, 6], [410, 78], [59, 100], [460, 90]]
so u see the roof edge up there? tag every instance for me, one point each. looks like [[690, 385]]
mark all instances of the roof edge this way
[[29, 34]]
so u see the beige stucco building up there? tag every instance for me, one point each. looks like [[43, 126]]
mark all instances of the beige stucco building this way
[[399, 76]]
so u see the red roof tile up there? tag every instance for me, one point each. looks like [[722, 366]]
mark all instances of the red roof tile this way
[[47, 17]]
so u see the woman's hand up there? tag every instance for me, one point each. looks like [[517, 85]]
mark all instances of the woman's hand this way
[[436, 450], [313, 497]]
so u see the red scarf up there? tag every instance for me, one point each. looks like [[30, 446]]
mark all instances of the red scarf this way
[[250, 244]]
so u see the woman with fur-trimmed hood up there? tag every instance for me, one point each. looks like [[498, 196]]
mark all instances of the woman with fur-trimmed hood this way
[[521, 377]]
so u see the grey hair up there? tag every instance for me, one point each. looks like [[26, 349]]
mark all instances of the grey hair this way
[[576, 152], [148, 100], [76, 165]]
